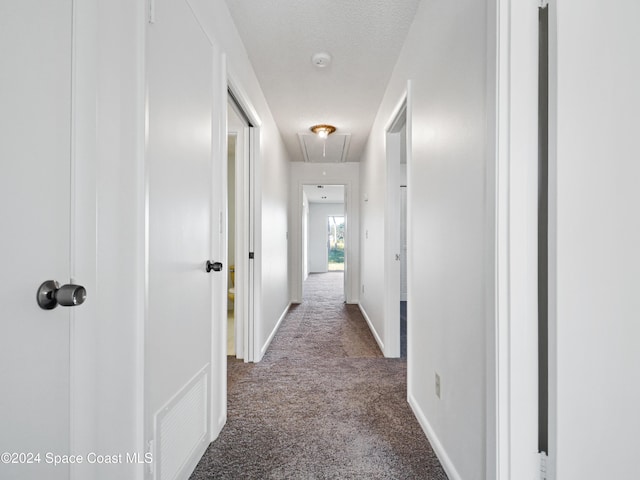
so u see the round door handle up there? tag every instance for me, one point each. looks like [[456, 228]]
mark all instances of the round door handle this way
[[51, 294], [215, 266]]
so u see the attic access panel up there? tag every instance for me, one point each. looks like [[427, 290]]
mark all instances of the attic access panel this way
[[315, 150]]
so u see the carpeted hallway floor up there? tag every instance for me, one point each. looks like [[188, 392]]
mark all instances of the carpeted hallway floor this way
[[322, 404]]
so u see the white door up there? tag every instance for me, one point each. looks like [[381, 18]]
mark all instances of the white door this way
[[35, 185], [184, 232]]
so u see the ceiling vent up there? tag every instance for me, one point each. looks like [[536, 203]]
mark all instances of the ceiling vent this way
[[333, 149]]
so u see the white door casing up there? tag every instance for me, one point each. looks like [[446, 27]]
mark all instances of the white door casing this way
[[403, 244], [247, 298], [237, 127], [392, 248]]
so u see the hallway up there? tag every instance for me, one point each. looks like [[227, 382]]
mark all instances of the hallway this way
[[323, 403]]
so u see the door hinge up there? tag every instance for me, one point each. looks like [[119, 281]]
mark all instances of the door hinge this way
[[544, 466], [251, 255]]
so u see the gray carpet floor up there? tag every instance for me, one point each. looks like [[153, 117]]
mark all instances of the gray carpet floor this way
[[322, 404]]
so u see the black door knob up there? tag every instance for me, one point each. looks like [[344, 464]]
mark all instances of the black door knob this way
[[215, 266], [51, 294]]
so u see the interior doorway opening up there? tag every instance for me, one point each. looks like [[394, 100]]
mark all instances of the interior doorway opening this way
[[239, 215], [396, 277], [324, 230]]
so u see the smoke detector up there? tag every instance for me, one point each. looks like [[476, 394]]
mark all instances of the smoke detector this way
[[321, 59]]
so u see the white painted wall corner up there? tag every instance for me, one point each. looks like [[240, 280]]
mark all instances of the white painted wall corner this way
[[372, 328]]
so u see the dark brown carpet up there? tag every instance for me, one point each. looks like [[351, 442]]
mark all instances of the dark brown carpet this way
[[323, 403]]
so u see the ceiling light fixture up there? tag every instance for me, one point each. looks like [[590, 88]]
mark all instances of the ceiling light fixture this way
[[323, 131]]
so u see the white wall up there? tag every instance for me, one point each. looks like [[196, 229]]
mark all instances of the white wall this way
[[325, 174], [595, 259], [447, 208], [272, 176], [318, 234]]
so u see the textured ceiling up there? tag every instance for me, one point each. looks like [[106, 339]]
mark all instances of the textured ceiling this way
[[364, 38]]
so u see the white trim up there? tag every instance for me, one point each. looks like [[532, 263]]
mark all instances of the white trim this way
[[393, 142], [218, 182], [554, 47], [498, 455], [409, 101], [249, 203], [401, 108], [512, 244], [254, 317], [141, 236], [241, 233], [371, 327], [243, 99], [147, 420], [273, 332], [438, 449]]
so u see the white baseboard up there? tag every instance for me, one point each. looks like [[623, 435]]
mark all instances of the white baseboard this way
[[273, 332], [371, 327], [439, 450]]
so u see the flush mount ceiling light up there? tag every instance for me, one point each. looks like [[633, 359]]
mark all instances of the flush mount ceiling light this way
[[323, 131]]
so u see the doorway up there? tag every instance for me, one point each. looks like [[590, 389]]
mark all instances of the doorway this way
[[324, 230], [241, 135], [396, 278]]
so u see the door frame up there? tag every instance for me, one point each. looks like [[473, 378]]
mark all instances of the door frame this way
[[242, 229], [350, 291], [247, 215], [511, 270], [302, 236], [393, 142]]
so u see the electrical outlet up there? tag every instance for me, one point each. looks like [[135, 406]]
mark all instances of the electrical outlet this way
[[363, 288], [437, 385]]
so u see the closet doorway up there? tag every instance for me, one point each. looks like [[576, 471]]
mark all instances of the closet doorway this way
[[240, 141]]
